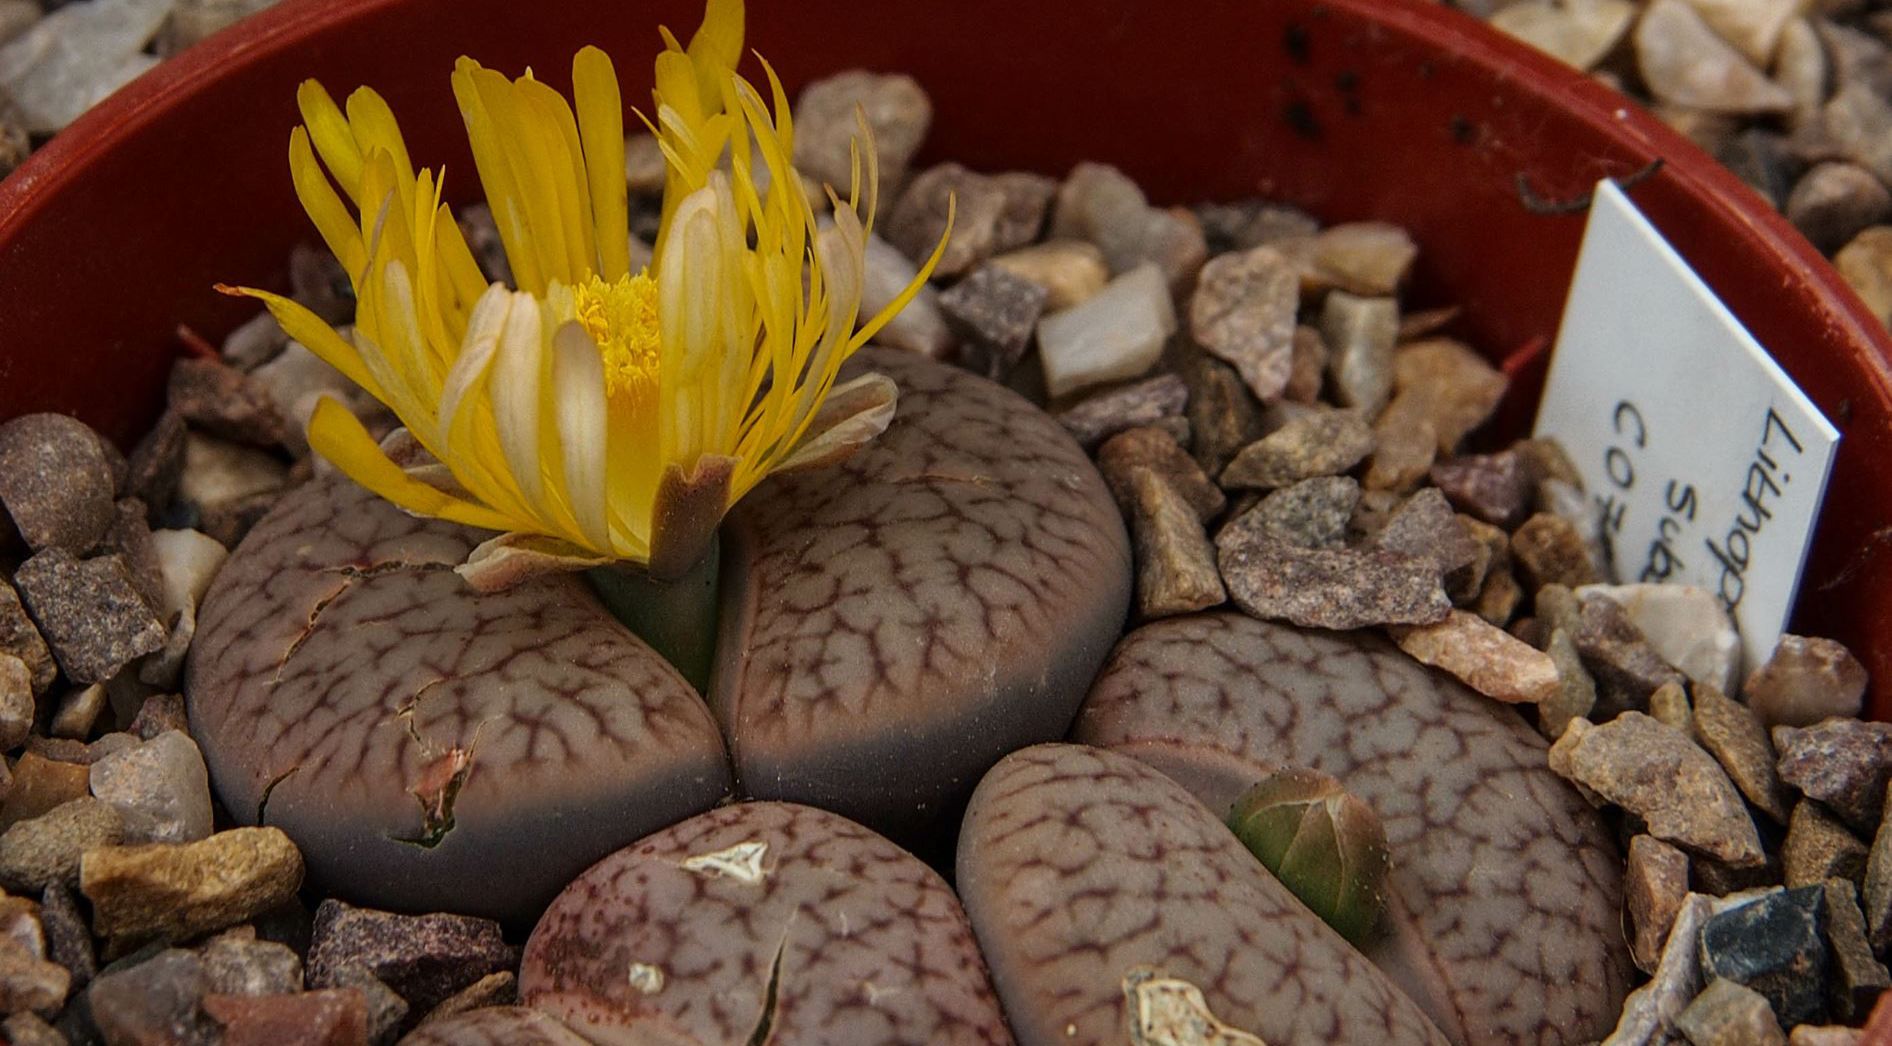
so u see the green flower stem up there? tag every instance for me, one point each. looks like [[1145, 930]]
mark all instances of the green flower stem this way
[[677, 618]]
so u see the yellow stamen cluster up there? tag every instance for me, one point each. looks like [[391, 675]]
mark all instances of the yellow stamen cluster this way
[[621, 318], [591, 413]]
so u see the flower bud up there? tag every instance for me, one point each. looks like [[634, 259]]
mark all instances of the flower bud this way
[[1325, 846]]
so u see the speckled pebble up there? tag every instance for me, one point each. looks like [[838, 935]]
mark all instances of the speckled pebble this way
[[1655, 883], [1855, 977], [47, 849], [1729, 1014], [1495, 488], [1144, 403], [1176, 566], [55, 482], [1843, 763], [235, 966], [90, 612], [1736, 738], [20, 638], [424, 958], [1328, 588], [1243, 311], [993, 312], [1318, 443], [898, 114], [1655, 772], [1310, 514], [1806, 679], [1484, 657], [1818, 847], [1144, 447], [175, 891]]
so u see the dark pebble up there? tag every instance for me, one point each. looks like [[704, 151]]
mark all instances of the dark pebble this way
[[1776, 947]]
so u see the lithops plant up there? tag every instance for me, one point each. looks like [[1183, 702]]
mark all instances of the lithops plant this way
[[894, 625], [890, 625], [428, 747], [762, 922], [1504, 890], [1110, 903]]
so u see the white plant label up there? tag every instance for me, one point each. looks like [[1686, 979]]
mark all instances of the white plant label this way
[[1704, 462]]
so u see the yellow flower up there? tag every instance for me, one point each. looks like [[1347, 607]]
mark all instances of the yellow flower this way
[[592, 414]]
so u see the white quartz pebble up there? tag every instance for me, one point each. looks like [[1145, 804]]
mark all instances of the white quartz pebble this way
[[1578, 33], [1116, 335], [919, 327], [1685, 624], [74, 57], [1686, 63]]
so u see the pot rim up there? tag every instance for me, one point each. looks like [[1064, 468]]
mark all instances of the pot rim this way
[[125, 113]]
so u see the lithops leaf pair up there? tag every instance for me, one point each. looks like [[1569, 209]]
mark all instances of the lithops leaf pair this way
[[890, 628], [1504, 891]]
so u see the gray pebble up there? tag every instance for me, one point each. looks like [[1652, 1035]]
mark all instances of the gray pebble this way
[[234, 966], [16, 702], [1313, 513], [45, 850], [1318, 443], [21, 638], [68, 939], [1834, 202], [1144, 403], [160, 787], [1360, 334], [89, 611], [55, 482], [993, 313], [1843, 763]]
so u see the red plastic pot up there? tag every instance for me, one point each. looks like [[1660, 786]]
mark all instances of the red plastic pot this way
[[1393, 109]]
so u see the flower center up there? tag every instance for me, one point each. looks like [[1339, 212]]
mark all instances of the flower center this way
[[621, 317]]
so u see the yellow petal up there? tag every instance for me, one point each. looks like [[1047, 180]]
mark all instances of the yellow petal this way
[[331, 217], [476, 354], [578, 385], [503, 194], [518, 146], [689, 281], [316, 335], [899, 302], [717, 46], [457, 260], [515, 394], [334, 139], [339, 436], [560, 157], [601, 127], [373, 127]]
